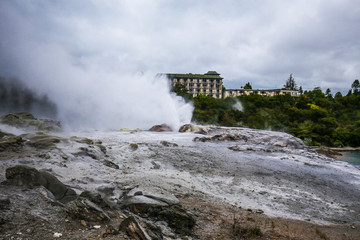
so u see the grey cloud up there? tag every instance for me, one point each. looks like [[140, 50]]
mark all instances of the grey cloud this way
[[257, 41]]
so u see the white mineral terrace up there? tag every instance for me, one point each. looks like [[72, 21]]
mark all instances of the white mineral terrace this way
[[271, 171]]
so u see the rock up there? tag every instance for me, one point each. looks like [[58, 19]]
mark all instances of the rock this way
[[130, 130], [4, 202], [110, 164], [280, 144], [140, 201], [259, 211], [132, 227], [30, 177], [177, 218], [161, 128], [194, 128], [164, 207], [84, 209], [221, 137], [141, 204], [185, 128], [57, 235], [95, 198], [166, 198], [155, 232], [27, 121], [82, 140], [4, 134], [168, 144], [85, 152], [155, 165], [83, 222], [110, 230], [133, 146], [89, 141], [41, 140], [102, 147], [10, 142]]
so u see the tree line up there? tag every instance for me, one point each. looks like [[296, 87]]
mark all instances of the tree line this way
[[316, 117]]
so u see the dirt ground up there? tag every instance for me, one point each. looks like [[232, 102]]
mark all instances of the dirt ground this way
[[38, 218], [218, 222]]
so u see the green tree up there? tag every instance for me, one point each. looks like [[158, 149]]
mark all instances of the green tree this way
[[328, 93], [290, 83], [316, 94], [356, 87], [247, 86], [181, 90], [338, 95], [223, 89]]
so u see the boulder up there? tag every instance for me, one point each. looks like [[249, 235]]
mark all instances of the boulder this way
[[195, 128], [30, 177], [161, 128], [176, 217], [27, 121], [160, 206], [133, 146], [139, 200]]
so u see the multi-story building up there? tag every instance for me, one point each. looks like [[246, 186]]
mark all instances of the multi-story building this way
[[263, 92], [209, 84]]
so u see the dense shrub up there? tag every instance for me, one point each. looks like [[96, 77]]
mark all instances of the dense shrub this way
[[315, 118]]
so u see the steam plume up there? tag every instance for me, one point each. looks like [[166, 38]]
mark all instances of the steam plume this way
[[15, 96], [85, 67]]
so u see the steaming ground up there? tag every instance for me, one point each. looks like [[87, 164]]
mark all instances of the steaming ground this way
[[97, 101], [265, 170]]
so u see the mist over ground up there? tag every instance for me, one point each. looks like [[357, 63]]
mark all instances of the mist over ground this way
[[15, 96], [100, 102]]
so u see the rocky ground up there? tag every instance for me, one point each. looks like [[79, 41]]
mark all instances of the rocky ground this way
[[203, 183]]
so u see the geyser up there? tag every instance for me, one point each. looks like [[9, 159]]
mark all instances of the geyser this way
[[87, 69], [130, 101]]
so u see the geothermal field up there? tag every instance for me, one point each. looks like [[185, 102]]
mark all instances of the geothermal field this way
[[254, 174]]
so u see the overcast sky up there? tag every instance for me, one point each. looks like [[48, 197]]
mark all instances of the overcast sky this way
[[254, 41]]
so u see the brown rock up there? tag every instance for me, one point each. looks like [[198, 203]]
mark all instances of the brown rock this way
[[185, 128], [161, 128], [83, 223]]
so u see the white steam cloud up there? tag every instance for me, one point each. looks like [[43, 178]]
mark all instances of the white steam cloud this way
[[93, 97], [83, 64], [238, 106]]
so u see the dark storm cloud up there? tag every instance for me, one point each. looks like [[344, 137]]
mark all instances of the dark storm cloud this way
[[257, 41]]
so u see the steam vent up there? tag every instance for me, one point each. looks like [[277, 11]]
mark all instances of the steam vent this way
[[209, 84]]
